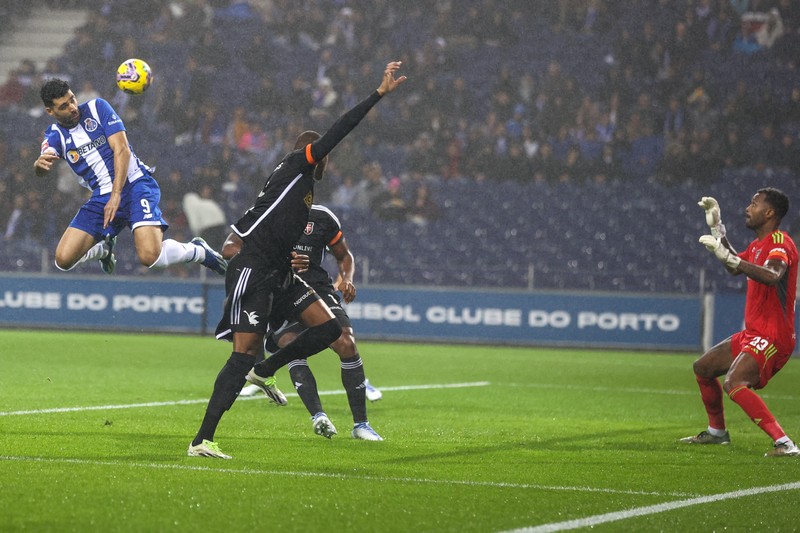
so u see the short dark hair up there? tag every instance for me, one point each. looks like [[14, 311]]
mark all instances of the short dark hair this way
[[777, 199], [52, 89], [305, 138]]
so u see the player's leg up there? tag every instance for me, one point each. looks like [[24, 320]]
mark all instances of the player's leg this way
[[354, 380], [707, 369], [75, 247], [84, 239], [227, 385], [322, 330], [752, 369], [246, 288], [141, 207]]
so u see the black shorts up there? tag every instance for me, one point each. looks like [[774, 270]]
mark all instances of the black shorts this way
[[250, 290], [286, 315]]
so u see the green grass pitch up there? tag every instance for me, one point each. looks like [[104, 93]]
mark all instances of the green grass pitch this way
[[94, 429]]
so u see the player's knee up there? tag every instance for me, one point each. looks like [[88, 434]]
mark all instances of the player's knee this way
[[64, 263], [149, 258], [329, 331], [345, 345], [63, 266]]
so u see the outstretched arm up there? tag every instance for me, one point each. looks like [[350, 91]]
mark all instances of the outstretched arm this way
[[345, 124]]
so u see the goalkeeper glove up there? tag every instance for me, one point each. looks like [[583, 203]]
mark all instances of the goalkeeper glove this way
[[713, 216], [723, 254]]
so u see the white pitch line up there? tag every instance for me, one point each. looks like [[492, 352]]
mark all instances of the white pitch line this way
[[591, 521], [190, 402], [249, 471]]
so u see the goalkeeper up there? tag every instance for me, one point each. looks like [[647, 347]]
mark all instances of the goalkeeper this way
[[748, 359]]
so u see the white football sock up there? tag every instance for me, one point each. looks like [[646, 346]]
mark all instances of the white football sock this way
[[174, 252]]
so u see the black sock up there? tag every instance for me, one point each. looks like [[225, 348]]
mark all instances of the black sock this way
[[310, 342], [353, 381], [306, 385], [226, 388]]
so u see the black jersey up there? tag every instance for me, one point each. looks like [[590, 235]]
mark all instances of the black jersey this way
[[323, 229], [272, 227]]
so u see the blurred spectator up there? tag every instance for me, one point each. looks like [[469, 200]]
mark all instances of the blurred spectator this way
[[12, 92], [17, 222], [205, 216], [422, 208], [324, 100], [607, 167], [733, 151], [771, 29], [345, 194], [575, 167], [371, 186], [390, 203], [788, 156], [342, 30], [237, 127], [87, 92], [236, 195], [545, 165]]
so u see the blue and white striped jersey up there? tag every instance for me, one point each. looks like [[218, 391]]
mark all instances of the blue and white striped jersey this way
[[85, 147]]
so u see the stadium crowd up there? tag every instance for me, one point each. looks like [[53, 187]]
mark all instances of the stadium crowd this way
[[563, 95]]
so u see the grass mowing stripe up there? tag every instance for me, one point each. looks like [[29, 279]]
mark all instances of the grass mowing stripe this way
[[633, 390], [250, 471], [204, 400], [591, 521]]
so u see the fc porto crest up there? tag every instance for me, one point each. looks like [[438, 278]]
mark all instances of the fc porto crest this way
[[309, 228], [90, 124]]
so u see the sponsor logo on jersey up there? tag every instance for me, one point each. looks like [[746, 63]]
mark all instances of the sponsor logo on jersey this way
[[90, 124], [88, 147], [309, 228], [114, 120]]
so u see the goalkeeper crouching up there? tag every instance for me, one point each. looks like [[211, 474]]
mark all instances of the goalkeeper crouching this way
[[750, 358]]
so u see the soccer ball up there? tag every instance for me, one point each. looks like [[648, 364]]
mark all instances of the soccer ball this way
[[134, 76]]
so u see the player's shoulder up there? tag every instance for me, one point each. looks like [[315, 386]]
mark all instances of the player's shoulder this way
[[322, 213], [787, 240]]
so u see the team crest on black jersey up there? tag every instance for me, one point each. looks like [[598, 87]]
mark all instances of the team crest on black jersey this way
[[90, 124], [309, 228]]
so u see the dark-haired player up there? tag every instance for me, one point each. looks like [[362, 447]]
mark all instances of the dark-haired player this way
[[91, 138], [262, 269], [750, 358]]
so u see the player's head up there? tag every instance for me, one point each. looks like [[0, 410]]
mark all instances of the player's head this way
[[59, 102], [768, 204], [52, 90], [777, 199], [308, 137]]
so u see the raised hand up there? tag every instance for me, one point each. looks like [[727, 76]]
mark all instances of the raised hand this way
[[389, 82], [721, 252], [713, 216]]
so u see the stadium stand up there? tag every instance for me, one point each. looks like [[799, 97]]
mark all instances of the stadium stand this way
[[490, 84]]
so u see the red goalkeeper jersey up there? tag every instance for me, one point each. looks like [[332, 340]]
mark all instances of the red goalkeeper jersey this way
[[769, 309]]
